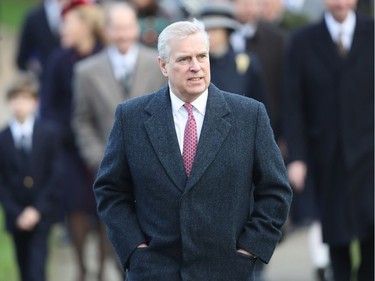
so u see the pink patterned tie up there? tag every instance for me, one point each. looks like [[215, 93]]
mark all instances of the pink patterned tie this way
[[190, 140]]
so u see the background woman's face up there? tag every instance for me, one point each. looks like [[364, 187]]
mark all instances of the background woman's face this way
[[73, 29]]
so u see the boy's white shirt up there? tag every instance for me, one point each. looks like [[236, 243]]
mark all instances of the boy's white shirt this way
[[20, 130]]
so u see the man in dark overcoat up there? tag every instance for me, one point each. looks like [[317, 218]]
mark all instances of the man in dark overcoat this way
[[192, 185], [329, 127]]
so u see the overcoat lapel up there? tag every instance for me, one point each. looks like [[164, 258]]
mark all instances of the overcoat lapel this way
[[35, 143], [358, 40], [325, 46], [12, 150], [162, 134], [138, 82], [161, 131], [327, 49], [214, 131], [107, 76]]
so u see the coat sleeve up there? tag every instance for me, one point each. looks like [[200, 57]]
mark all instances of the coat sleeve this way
[[83, 121], [113, 189], [272, 194], [293, 117]]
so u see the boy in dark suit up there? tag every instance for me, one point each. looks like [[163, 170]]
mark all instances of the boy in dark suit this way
[[29, 176]]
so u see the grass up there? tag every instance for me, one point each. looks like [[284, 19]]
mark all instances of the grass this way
[[8, 269], [8, 266], [12, 12]]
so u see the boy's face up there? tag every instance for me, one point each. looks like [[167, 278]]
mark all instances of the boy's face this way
[[23, 105]]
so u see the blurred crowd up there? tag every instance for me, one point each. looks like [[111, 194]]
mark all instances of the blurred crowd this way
[[78, 59]]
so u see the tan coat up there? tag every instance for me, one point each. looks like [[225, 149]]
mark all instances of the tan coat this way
[[97, 93]]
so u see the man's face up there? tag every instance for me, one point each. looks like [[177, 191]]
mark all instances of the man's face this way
[[123, 29], [340, 8], [23, 105], [248, 11], [188, 68]]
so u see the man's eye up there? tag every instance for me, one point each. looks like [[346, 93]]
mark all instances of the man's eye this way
[[202, 57]]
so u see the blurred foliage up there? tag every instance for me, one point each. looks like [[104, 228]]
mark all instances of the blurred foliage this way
[[12, 12], [8, 269]]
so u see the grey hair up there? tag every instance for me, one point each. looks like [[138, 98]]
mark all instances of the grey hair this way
[[110, 6], [178, 31]]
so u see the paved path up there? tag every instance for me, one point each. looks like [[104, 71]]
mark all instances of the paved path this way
[[290, 261]]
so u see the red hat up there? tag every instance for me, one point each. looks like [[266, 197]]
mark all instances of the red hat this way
[[72, 4]]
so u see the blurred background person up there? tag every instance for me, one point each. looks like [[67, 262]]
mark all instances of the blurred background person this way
[[30, 176], [81, 36], [153, 18], [313, 9], [123, 70], [39, 36], [267, 42], [329, 127], [275, 13], [233, 72]]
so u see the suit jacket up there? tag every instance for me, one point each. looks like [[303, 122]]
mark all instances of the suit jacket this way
[[36, 39], [97, 93], [329, 122], [33, 181], [193, 225]]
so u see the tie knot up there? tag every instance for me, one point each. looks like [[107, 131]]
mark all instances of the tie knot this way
[[189, 108]]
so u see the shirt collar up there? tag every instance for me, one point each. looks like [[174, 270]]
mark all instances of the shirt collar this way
[[346, 27], [199, 104], [22, 129], [125, 61]]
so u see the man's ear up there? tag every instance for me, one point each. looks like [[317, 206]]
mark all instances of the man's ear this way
[[163, 66]]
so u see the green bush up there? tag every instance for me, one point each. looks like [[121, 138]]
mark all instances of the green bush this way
[[12, 12]]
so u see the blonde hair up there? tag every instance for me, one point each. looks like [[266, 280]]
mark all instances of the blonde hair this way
[[93, 15]]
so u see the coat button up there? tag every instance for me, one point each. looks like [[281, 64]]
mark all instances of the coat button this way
[[28, 182]]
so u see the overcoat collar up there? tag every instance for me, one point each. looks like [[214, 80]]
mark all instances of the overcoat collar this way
[[327, 47], [162, 134]]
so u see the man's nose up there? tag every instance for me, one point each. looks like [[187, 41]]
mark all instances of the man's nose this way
[[194, 65]]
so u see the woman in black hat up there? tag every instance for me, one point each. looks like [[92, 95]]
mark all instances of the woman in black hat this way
[[231, 71]]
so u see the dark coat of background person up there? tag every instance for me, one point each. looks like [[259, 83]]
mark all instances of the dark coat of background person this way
[[249, 82], [268, 43], [37, 40], [56, 105], [193, 225], [329, 124], [44, 193]]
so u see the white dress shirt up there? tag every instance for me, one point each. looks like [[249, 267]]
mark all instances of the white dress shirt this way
[[238, 38], [123, 64], [346, 29], [180, 115], [22, 132]]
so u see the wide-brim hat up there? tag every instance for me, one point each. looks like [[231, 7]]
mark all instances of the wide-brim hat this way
[[218, 15]]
